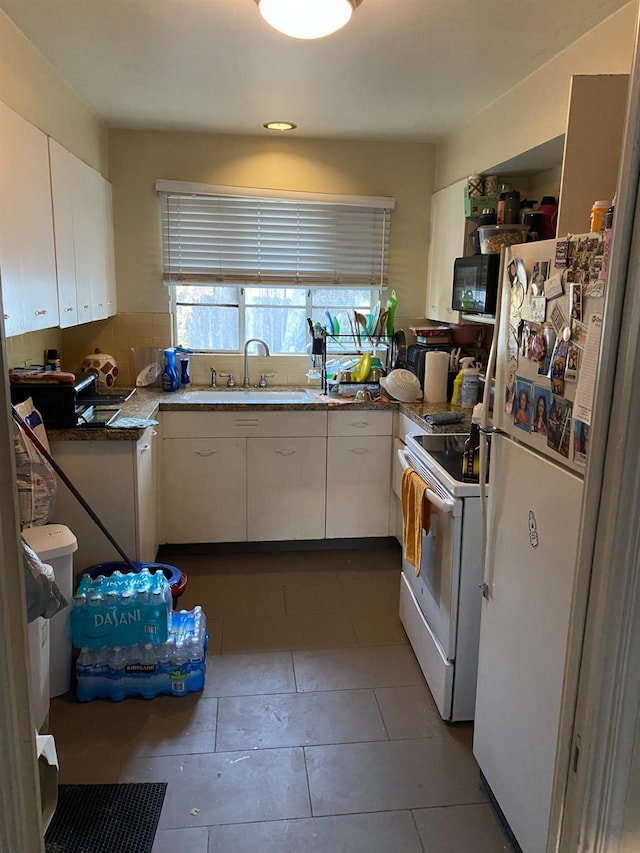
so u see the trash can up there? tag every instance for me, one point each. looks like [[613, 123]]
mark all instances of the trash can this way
[[55, 544]]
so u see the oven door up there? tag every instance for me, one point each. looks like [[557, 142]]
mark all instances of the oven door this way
[[436, 588]]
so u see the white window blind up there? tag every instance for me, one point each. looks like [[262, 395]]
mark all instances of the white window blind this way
[[211, 238]]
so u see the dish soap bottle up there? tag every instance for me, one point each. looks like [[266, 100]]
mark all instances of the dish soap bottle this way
[[457, 388], [170, 374]]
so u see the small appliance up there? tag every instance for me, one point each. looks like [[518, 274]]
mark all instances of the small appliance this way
[[475, 284]]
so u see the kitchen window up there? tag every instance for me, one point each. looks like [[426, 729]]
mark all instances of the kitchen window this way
[[244, 263]]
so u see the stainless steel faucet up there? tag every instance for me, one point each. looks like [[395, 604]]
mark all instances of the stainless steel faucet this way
[[214, 383], [245, 380]]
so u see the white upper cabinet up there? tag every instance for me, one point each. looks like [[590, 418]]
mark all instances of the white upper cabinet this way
[[448, 232], [63, 231], [84, 239], [27, 254]]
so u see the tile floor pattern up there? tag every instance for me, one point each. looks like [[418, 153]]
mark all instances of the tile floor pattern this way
[[315, 731]]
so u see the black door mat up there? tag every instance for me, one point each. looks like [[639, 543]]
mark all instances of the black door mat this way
[[105, 818]]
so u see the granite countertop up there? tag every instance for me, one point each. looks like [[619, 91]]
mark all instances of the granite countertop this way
[[146, 403]]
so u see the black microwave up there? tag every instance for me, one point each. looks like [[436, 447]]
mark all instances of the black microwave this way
[[475, 284]]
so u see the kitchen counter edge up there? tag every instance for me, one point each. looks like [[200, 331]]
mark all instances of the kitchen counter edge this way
[[146, 403]]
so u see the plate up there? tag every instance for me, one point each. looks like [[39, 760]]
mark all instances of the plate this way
[[149, 374]]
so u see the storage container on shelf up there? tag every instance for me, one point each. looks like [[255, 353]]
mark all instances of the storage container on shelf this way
[[494, 237]]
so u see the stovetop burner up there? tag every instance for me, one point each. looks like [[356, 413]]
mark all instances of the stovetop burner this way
[[447, 450]]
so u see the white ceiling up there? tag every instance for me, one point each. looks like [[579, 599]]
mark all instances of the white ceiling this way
[[401, 69]]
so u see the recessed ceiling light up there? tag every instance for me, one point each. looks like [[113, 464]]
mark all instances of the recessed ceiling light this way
[[307, 19], [280, 125]]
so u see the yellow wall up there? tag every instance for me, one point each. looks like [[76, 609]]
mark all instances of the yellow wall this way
[[138, 158], [31, 87], [535, 110]]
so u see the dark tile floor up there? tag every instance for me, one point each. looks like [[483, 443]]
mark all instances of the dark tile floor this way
[[315, 731]]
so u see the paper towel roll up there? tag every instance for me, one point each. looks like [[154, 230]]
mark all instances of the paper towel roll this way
[[436, 375]]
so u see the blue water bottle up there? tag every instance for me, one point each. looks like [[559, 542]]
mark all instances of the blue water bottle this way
[[170, 374]]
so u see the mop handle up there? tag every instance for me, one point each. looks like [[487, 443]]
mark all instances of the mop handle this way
[[43, 450]]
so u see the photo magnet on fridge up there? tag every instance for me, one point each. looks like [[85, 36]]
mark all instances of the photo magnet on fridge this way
[[575, 300], [522, 405], [562, 253], [581, 443], [541, 406], [573, 362], [539, 275], [559, 425]]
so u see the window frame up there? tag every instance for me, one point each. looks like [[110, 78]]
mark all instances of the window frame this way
[[375, 293]]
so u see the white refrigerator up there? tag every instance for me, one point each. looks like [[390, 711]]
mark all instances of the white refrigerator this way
[[547, 341]]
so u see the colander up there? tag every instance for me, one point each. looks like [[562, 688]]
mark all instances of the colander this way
[[402, 385]]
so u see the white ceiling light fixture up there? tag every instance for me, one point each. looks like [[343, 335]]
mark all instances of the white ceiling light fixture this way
[[307, 19]]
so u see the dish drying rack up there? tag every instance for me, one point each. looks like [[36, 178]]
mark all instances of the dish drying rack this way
[[340, 347]]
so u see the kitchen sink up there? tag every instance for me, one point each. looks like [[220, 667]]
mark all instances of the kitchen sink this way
[[249, 395]]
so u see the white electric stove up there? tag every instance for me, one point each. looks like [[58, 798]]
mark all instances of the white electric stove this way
[[440, 606]]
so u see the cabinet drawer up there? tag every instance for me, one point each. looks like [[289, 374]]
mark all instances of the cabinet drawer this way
[[243, 423], [360, 422]]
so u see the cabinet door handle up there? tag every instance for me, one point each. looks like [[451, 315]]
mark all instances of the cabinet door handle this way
[[246, 423], [285, 451], [359, 450], [360, 424], [145, 447], [68, 309], [99, 304], [154, 432], [7, 316], [206, 452], [41, 312], [85, 307]]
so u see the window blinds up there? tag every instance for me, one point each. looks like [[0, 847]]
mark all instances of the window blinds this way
[[213, 238]]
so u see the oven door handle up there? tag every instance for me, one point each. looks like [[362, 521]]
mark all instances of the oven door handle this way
[[440, 504]]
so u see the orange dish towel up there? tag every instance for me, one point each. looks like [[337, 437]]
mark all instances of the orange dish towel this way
[[416, 517]]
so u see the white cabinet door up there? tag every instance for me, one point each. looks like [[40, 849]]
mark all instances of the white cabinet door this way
[[358, 486], [60, 160], [87, 197], [205, 490], [104, 474], [448, 230], [147, 495], [285, 488], [109, 249], [27, 254]]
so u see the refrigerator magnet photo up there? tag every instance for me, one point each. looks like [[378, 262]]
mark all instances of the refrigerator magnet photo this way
[[541, 406], [575, 300], [539, 275], [581, 443], [511, 368], [538, 311], [573, 361], [559, 425], [562, 253], [522, 405]]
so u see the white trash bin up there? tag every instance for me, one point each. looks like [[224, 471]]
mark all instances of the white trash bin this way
[[55, 544]]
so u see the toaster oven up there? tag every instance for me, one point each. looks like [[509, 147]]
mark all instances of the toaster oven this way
[[62, 406]]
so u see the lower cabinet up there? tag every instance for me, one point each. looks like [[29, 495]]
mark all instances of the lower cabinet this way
[[117, 478], [275, 475], [358, 477], [286, 488], [205, 489]]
